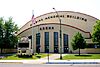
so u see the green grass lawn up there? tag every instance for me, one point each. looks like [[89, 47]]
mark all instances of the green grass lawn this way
[[15, 57], [82, 56]]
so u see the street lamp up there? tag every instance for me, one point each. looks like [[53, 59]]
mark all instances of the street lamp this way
[[48, 53], [60, 33]]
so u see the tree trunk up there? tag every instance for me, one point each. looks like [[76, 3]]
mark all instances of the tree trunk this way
[[1, 50]]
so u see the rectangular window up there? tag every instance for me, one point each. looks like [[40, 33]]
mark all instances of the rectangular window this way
[[56, 42], [46, 42], [65, 43], [65, 40], [38, 42], [55, 38]]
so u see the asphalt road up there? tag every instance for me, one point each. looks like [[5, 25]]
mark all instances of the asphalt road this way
[[48, 65]]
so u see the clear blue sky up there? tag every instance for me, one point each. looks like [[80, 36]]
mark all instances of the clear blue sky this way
[[21, 10]]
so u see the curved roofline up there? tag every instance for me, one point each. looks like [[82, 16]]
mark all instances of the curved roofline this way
[[58, 24], [67, 11], [60, 11]]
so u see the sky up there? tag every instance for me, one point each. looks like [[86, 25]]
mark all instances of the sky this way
[[21, 10]]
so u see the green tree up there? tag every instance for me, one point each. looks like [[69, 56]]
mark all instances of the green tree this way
[[78, 42], [10, 38], [1, 33], [96, 32]]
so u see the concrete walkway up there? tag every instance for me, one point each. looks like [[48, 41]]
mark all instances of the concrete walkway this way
[[45, 59], [52, 57], [53, 61]]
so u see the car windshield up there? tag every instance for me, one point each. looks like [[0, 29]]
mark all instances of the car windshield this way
[[23, 45]]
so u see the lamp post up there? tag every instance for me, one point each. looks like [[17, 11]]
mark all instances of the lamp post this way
[[60, 34], [48, 54]]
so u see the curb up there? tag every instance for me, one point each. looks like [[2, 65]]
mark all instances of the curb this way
[[13, 62], [72, 62]]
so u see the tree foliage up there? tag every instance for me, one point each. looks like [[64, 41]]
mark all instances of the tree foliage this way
[[96, 32], [7, 33], [78, 42], [1, 33]]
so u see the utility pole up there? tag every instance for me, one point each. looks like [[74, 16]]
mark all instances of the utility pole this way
[[60, 34], [33, 21]]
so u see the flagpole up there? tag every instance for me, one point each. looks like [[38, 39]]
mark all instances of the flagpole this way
[[32, 31]]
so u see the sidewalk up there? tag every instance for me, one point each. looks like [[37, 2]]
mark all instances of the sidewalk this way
[[92, 61], [53, 61]]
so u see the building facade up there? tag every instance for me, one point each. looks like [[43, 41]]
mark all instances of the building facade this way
[[48, 27]]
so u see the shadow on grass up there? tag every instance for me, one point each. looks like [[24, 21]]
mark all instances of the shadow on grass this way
[[84, 55], [24, 57]]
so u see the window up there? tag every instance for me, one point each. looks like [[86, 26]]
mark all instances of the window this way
[[70, 16], [43, 28], [51, 17], [56, 15], [46, 42], [52, 27], [40, 28], [30, 24], [46, 18], [36, 21], [55, 38], [23, 45], [74, 17], [39, 20], [49, 27], [65, 43], [85, 20], [82, 18], [63, 16], [47, 38], [67, 16], [60, 15], [38, 42], [65, 40], [46, 28], [56, 42], [77, 17], [93, 45]]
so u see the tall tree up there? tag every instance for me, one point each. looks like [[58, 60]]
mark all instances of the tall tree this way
[[96, 32], [10, 29], [8, 39], [1, 33], [78, 42]]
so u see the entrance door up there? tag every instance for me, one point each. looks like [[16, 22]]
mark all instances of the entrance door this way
[[55, 49], [65, 50]]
